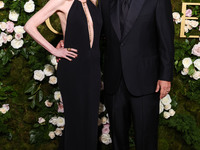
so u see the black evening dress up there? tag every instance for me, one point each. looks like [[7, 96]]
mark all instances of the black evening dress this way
[[79, 80]]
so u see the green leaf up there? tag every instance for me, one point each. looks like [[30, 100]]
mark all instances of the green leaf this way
[[10, 136], [5, 59], [187, 35], [3, 98], [36, 125], [193, 42], [30, 89], [191, 70], [32, 136], [33, 103], [31, 85], [31, 97], [40, 95], [24, 53]]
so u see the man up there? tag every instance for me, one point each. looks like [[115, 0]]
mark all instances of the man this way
[[138, 67]]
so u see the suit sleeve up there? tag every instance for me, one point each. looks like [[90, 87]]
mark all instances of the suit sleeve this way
[[165, 29]]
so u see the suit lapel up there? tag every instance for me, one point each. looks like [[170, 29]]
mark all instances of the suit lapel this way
[[134, 11], [114, 14]]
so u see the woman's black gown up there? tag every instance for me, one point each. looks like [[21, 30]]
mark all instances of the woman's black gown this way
[[79, 80]]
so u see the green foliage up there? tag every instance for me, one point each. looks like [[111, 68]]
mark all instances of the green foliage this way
[[40, 133], [6, 92], [4, 130], [188, 128], [183, 50]]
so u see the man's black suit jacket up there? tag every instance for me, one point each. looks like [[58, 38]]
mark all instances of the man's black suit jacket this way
[[144, 53]]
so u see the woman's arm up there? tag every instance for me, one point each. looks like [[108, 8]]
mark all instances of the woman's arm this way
[[31, 27]]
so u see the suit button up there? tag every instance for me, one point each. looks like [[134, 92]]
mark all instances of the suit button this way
[[122, 44]]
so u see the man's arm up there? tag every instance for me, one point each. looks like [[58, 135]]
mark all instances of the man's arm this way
[[165, 28]]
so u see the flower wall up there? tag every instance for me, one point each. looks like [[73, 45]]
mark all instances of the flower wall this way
[[31, 108]]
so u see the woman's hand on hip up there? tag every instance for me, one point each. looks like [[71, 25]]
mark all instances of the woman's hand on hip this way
[[67, 53]]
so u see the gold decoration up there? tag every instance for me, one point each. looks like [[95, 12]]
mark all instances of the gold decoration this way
[[69, 49], [48, 23], [184, 8]]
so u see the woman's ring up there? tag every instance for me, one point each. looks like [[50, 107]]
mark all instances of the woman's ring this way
[[69, 49]]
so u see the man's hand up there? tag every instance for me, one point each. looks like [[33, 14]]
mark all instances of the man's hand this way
[[164, 87]]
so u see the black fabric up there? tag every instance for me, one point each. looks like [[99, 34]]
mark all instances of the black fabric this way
[[79, 80], [144, 53], [124, 4], [144, 111]]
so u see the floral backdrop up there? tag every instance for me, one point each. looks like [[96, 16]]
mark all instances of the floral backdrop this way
[[31, 108]]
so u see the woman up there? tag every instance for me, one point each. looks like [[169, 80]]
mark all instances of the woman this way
[[78, 69]]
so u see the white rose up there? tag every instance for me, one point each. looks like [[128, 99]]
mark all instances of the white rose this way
[[172, 112], [56, 67], [186, 30], [178, 20], [60, 121], [41, 120], [16, 44], [62, 128], [53, 60], [166, 100], [4, 37], [3, 110], [187, 22], [18, 36], [104, 120], [194, 23], [189, 27], [53, 120], [38, 75], [57, 95], [48, 104], [102, 108], [53, 80], [29, 6], [48, 70], [196, 75], [185, 71], [6, 106], [58, 132], [196, 49], [1, 4], [106, 139], [3, 26], [197, 64], [9, 38], [13, 15], [161, 108], [176, 15], [187, 62], [19, 29], [52, 135], [168, 107], [166, 115]]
